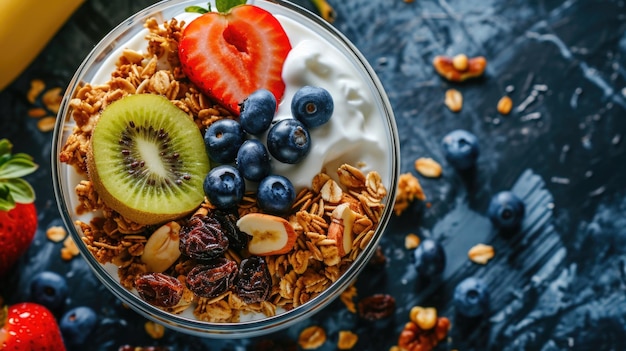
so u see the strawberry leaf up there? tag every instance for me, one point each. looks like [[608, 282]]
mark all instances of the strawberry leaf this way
[[17, 167], [6, 200], [224, 6], [198, 9], [5, 147], [20, 190]]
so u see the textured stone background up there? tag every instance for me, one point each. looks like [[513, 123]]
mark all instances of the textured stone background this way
[[559, 284]]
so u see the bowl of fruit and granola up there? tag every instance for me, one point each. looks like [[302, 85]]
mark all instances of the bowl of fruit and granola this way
[[225, 170]]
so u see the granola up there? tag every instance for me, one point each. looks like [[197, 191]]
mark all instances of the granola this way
[[315, 262]]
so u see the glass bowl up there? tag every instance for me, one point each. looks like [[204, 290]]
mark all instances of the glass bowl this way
[[297, 21]]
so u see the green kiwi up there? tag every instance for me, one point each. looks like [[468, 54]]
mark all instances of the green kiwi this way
[[147, 159]]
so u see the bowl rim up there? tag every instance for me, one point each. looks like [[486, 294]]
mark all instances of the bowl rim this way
[[197, 327]]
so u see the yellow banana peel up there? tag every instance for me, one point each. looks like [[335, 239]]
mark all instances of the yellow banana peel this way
[[26, 26]]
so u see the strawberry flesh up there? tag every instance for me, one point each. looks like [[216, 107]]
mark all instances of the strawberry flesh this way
[[230, 55]]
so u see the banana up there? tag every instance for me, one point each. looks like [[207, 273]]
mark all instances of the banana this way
[[26, 27]]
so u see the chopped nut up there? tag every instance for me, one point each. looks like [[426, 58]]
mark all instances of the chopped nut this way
[[347, 340], [69, 249], [460, 62], [312, 337], [411, 241], [426, 318], [155, 330], [52, 99], [56, 233], [505, 104], [37, 112], [481, 253], [444, 65], [454, 100], [46, 124], [428, 167], [162, 248]]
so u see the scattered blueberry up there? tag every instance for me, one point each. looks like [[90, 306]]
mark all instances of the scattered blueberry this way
[[224, 186], [430, 258], [288, 141], [312, 106], [471, 297], [253, 160], [49, 289], [77, 324], [275, 194], [506, 210], [222, 140], [257, 111], [461, 149]]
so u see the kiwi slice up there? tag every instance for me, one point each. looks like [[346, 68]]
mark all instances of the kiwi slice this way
[[147, 159]]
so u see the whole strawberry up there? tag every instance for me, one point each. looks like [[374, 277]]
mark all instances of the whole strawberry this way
[[18, 216], [29, 326]]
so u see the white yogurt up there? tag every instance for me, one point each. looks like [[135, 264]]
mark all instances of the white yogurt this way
[[355, 133]]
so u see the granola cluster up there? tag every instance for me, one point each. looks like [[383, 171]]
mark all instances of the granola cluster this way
[[316, 261]]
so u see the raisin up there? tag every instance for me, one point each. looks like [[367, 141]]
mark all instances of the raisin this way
[[376, 307], [237, 239], [213, 278], [159, 289], [254, 283], [202, 238]]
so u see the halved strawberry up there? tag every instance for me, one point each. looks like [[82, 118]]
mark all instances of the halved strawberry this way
[[230, 55]]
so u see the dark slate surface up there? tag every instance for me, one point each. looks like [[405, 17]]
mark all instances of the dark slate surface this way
[[558, 284]]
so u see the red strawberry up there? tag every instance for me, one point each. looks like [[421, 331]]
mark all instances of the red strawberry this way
[[18, 216], [230, 55], [29, 326]]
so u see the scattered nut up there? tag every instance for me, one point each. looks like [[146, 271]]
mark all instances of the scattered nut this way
[[445, 66], [155, 330], [37, 112], [426, 318], [46, 124], [411, 241], [347, 297], [481, 253], [347, 340], [460, 62], [409, 189], [52, 99], [56, 233], [454, 100], [69, 249], [312, 337], [428, 167], [505, 104]]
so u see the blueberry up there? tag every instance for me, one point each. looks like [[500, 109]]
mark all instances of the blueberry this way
[[49, 289], [461, 149], [312, 106], [471, 297], [253, 161], [222, 140], [224, 186], [257, 111], [288, 141], [506, 210], [430, 258], [77, 324], [275, 194]]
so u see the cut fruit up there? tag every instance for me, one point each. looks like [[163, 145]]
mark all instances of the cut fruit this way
[[340, 228], [230, 55], [271, 235], [147, 159]]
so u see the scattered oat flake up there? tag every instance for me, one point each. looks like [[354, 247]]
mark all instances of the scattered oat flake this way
[[454, 100], [428, 167], [36, 87], [56, 233], [347, 297], [560, 180], [411, 241], [37, 112], [155, 330], [481, 253], [69, 250], [312, 337], [505, 104], [347, 340], [46, 124]]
